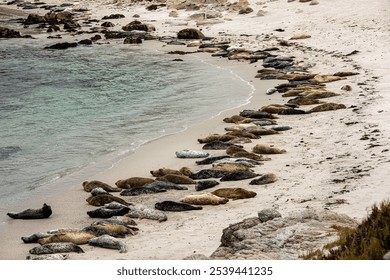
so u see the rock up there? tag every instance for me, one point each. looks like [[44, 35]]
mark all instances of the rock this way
[[9, 33], [304, 1], [154, 7], [85, 42], [113, 16], [132, 41], [173, 13], [58, 18], [346, 88], [261, 13], [137, 25], [107, 24], [314, 3], [245, 10], [387, 256], [282, 238], [196, 257], [71, 25], [300, 37], [190, 33], [268, 214], [34, 19], [62, 46]]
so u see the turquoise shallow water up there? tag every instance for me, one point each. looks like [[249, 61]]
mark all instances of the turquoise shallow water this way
[[64, 111]]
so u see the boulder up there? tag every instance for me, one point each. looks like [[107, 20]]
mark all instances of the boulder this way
[[62, 46], [137, 25], [34, 19], [132, 41], [9, 33], [190, 33]]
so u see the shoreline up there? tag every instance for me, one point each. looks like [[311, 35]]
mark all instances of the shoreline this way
[[316, 157]]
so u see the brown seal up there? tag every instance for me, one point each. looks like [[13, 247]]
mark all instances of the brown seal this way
[[164, 171], [204, 199], [89, 186], [177, 179], [102, 199], [75, 237], [234, 193], [264, 149], [327, 107], [133, 182]]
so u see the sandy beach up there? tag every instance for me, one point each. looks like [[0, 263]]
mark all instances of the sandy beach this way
[[336, 160]]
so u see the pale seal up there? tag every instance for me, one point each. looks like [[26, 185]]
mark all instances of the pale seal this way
[[119, 220], [56, 257], [234, 193], [141, 212], [53, 248], [204, 199], [106, 241], [99, 191], [191, 154], [264, 149], [28, 214], [175, 206]]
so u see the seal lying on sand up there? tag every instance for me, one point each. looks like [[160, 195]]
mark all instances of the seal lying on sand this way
[[204, 199], [164, 171], [264, 149], [210, 160], [103, 212], [208, 173], [35, 237], [207, 184], [175, 206], [133, 182], [78, 238], [106, 241], [191, 154], [102, 199], [141, 212], [28, 214], [264, 179], [163, 185], [240, 175], [54, 248], [234, 193], [139, 191], [89, 186], [177, 179], [57, 257]]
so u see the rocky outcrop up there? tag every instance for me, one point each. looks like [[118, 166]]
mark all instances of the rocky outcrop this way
[[9, 33], [280, 237], [190, 33], [137, 25]]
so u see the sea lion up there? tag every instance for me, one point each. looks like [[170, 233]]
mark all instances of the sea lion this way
[[109, 242], [164, 171], [240, 175], [204, 199], [207, 174], [163, 185], [215, 137], [46, 257], [191, 154], [89, 186], [175, 206], [28, 214], [231, 167], [142, 190], [133, 182], [264, 179], [218, 145], [207, 184], [177, 179], [78, 238], [327, 107], [53, 248], [107, 213], [140, 212], [210, 160], [264, 149], [234, 193], [35, 237], [102, 199]]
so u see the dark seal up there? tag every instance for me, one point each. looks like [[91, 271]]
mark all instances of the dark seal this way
[[29, 214], [175, 206]]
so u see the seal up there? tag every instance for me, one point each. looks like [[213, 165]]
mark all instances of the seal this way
[[218, 145], [251, 156], [99, 191], [237, 119], [292, 111], [57, 257], [165, 186], [241, 160], [99, 231], [177, 179], [141, 212], [264, 179], [210, 160], [204, 199], [118, 220], [42, 213], [208, 173], [142, 190], [34, 237], [89, 186], [240, 175], [234, 149], [118, 229], [207, 184], [216, 137], [175, 206], [53, 248], [301, 100], [109, 242], [102, 199], [257, 114], [281, 128], [318, 94], [103, 212], [133, 182], [264, 149], [327, 107], [264, 123], [273, 108], [191, 154], [243, 134], [164, 171], [232, 167], [234, 193], [78, 238]]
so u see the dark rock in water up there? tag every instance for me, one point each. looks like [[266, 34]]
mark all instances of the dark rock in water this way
[[9, 33], [85, 42], [34, 19], [175, 206], [207, 184], [137, 25], [190, 33], [177, 59], [62, 46], [53, 28], [241, 175], [6, 152], [268, 214], [58, 18], [211, 160], [138, 191], [71, 25], [96, 38], [218, 145], [113, 16], [107, 24], [29, 214], [132, 41], [208, 173]]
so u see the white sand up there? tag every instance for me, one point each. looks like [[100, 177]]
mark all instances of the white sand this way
[[321, 147]]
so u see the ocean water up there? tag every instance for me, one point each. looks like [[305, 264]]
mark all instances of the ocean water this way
[[63, 112]]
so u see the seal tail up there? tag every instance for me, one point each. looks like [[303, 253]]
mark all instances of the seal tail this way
[[12, 215]]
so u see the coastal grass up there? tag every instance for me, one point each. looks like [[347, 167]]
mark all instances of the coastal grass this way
[[370, 240]]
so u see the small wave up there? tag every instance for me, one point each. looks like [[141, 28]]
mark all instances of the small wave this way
[[7, 152]]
